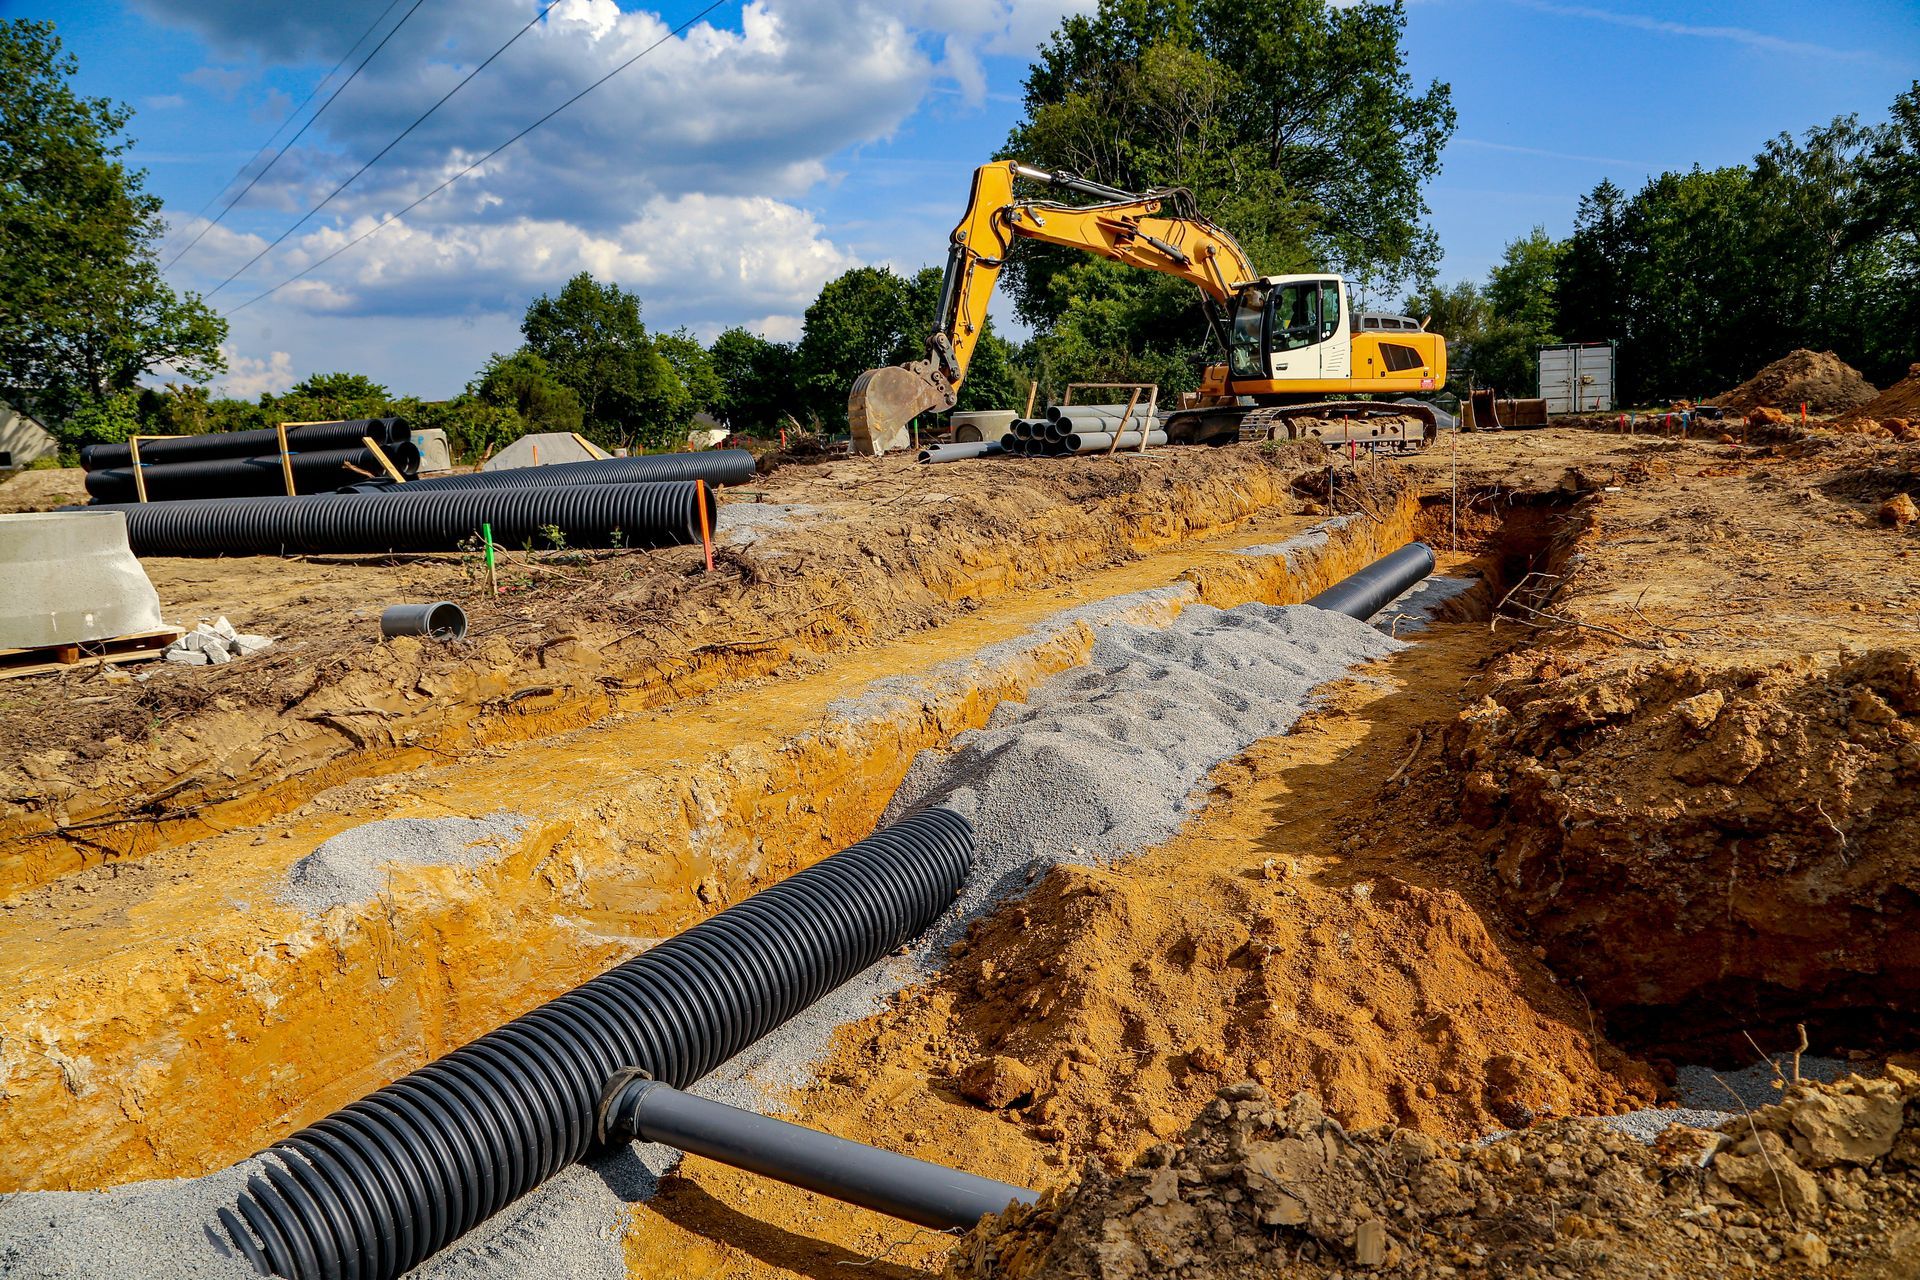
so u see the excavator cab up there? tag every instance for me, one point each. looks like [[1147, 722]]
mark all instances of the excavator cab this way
[[1288, 329]]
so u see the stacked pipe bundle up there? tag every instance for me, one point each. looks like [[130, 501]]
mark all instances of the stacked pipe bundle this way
[[225, 464], [661, 514], [1072, 429], [382, 1184], [717, 467]]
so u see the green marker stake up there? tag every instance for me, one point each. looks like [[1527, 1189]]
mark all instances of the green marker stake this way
[[486, 533]]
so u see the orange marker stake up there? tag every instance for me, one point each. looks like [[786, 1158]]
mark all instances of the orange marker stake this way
[[706, 535]]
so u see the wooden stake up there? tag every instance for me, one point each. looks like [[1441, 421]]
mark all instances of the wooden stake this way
[[139, 474], [1033, 389], [706, 534], [379, 454], [286, 462], [593, 450], [493, 579], [1146, 423], [1114, 443]]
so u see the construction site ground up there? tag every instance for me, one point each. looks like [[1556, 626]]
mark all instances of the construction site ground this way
[[1640, 802]]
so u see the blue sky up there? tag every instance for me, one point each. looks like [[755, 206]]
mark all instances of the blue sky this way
[[728, 173]]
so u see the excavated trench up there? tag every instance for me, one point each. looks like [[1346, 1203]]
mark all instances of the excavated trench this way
[[281, 971], [1495, 935], [1715, 854]]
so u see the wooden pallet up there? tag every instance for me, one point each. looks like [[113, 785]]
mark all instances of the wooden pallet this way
[[137, 647]]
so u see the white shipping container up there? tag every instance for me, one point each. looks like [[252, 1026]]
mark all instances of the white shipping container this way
[[1577, 377]]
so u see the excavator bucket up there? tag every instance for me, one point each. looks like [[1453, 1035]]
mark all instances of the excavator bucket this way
[[884, 401]]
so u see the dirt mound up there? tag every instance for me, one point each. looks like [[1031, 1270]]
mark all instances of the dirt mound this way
[[1824, 1181], [1901, 400], [1819, 379], [43, 490], [1703, 850], [1130, 1005]]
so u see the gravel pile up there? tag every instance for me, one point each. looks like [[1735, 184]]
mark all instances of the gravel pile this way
[[352, 867]]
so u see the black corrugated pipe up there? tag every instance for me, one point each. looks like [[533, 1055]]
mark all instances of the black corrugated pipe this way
[[917, 1191], [601, 515], [384, 1183], [717, 467], [1373, 588], [321, 471], [306, 437]]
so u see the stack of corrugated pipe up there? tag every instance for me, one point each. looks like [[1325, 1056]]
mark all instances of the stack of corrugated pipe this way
[[660, 501], [1072, 429], [323, 456]]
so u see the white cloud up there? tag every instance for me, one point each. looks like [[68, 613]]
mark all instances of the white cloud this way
[[776, 328], [248, 378], [684, 178]]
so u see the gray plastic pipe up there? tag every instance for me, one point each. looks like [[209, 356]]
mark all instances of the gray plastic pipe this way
[[955, 452], [1373, 588], [1059, 411], [1100, 441], [918, 1191], [443, 620]]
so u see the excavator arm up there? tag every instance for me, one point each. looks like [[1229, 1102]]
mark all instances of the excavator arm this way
[[1155, 230]]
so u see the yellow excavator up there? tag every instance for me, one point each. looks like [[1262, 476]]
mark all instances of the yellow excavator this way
[[1299, 357]]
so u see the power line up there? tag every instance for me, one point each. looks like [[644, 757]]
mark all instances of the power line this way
[[394, 217], [420, 120], [291, 117], [303, 128]]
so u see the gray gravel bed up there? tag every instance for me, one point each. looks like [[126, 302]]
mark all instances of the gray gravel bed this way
[[351, 868]]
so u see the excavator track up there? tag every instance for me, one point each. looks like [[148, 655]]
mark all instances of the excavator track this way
[[1375, 425]]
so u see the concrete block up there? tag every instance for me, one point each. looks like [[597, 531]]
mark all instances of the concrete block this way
[[217, 654], [435, 455], [539, 450], [69, 576], [224, 629], [246, 646], [187, 657]]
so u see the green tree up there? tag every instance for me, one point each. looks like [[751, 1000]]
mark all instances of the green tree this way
[[592, 339], [84, 312], [328, 397], [1460, 313], [861, 319], [1294, 123], [693, 367], [756, 378], [523, 383]]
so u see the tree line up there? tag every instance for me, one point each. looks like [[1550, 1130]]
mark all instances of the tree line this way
[[1705, 276], [1294, 123]]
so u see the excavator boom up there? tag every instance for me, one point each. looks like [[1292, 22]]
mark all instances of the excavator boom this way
[[1155, 230]]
